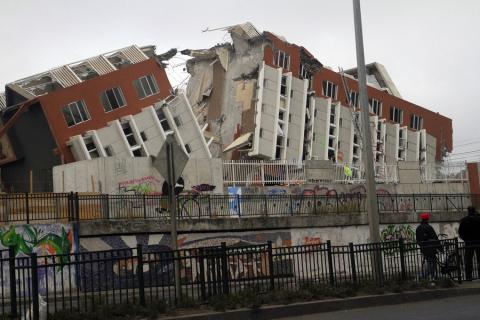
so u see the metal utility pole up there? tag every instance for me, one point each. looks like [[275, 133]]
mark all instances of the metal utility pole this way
[[170, 162], [173, 216], [368, 161]]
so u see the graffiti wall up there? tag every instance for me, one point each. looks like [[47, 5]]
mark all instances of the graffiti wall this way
[[242, 264], [40, 239], [44, 240], [143, 185], [280, 238]]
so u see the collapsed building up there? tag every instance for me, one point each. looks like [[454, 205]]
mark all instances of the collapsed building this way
[[257, 97], [115, 104], [264, 98]]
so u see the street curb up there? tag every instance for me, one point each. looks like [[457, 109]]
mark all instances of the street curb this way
[[311, 307]]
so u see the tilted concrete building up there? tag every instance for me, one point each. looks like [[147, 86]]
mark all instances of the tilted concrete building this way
[[115, 104], [265, 98], [143, 134], [258, 97]]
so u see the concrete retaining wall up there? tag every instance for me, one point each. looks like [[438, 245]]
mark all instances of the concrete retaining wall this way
[[282, 231], [114, 175]]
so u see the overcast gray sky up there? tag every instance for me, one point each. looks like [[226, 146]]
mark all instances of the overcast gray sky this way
[[430, 48]]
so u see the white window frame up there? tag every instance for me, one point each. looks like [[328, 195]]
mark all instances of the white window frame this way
[[117, 95], [87, 141], [416, 122], [329, 89], [138, 144], [162, 120], [281, 59], [283, 84], [396, 114], [354, 96], [131, 134], [376, 107], [304, 73], [148, 86], [77, 106]]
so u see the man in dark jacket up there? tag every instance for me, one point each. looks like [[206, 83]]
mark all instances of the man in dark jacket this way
[[429, 244], [469, 231]]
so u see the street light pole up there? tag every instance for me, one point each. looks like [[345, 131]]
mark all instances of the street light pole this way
[[368, 161]]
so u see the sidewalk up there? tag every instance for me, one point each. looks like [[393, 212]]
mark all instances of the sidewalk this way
[[327, 305]]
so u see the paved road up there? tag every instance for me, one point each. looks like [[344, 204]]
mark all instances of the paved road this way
[[463, 308]]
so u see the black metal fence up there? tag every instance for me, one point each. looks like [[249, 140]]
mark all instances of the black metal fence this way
[[30, 207], [142, 275]]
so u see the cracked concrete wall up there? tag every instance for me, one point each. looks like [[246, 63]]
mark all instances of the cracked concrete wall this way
[[231, 64], [201, 79], [244, 60]]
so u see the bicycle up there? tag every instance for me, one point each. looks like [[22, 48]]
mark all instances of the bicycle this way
[[188, 207], [446, 258]]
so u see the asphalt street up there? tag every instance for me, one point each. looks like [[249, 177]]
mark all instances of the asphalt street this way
[[463, 308]]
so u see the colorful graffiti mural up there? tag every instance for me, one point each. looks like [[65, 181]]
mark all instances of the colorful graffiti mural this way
[[203, 187], [396, 232], [144, 185], [240, 267], [43, 240]]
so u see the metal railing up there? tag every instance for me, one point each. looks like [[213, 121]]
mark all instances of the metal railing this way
[[281, 172], [41, 208], [250, 172], [82, 282], [450, 172]]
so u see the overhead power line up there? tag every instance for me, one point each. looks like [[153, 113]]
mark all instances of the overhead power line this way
[[467, 144], [466, 152], [462, 158], [467, 140]]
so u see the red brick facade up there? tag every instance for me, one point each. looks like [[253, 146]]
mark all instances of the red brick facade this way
[[89, 91], [435, 124]]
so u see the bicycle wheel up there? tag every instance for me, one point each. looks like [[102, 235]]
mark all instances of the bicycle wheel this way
[[452, 266], [190, 208]]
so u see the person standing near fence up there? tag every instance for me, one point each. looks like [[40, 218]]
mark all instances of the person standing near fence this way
[[469, 231], [429, 244]]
